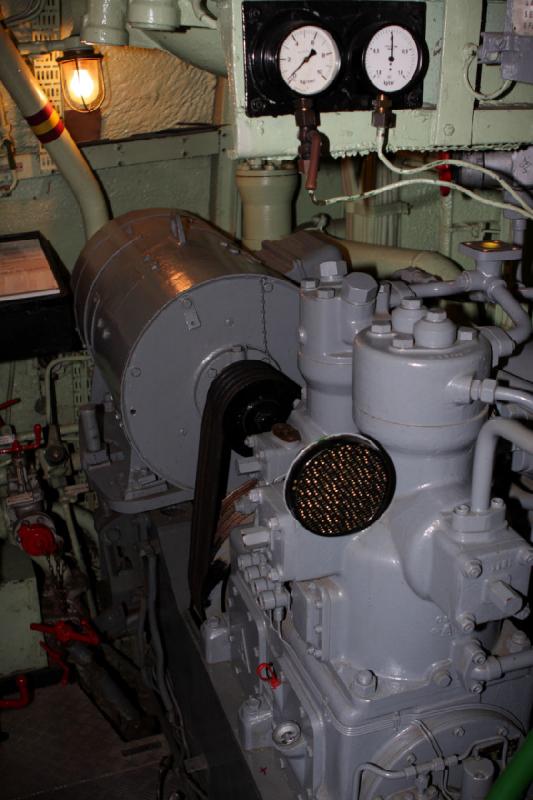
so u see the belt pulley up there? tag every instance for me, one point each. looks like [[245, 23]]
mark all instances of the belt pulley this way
[[247, 397]]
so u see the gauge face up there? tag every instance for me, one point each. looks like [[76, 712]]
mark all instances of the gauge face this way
[[392, 58], [309, 60]]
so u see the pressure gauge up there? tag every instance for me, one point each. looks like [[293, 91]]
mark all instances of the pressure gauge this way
[[392, 59], [309, 60]]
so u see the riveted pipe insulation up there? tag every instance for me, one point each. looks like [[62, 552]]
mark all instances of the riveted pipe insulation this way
[[515, 779], [484, 454], [51, 132]]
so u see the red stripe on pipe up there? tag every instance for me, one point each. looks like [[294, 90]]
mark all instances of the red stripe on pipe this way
[[41, 116], [55, 133]]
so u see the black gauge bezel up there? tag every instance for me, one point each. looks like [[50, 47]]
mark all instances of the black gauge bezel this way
[[422, 63], [264, 57]]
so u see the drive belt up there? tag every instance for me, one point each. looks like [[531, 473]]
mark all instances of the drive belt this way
[[247, 397]]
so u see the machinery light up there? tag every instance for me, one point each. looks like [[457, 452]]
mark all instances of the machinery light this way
[[82, 79]]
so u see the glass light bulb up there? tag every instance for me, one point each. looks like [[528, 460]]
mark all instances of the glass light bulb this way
[[82, 80], [82, 86]]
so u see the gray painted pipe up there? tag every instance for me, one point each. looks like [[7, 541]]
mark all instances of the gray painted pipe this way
[[491, 431], [47, 126], [522, 323], [496, 666], [516, 396]]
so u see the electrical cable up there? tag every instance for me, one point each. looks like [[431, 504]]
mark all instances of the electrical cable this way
[[328, 201], [158, 680], [471, 51], [452, 162], [25, 16]]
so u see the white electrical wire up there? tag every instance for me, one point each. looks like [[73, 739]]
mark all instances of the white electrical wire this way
[[528, 214], [452, 162], [471, 51]]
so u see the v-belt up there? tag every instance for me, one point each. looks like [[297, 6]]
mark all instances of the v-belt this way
[[247, 397]]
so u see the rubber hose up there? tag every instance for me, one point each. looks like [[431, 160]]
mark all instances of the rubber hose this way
[[518, 775]]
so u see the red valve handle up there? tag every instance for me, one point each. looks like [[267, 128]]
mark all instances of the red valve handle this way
[[17, 447], [55, 656], [9, 403], [64, 632], [24, 695], [266, 672]]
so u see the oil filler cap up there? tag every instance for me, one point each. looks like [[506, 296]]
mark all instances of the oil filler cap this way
[[340, 485]]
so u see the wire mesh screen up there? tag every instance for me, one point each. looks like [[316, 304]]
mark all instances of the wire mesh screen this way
[[341, 485]]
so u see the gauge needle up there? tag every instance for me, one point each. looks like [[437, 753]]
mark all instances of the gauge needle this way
[[391, 57], [306, 59]]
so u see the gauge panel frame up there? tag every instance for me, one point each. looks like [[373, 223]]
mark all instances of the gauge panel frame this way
[[266, 24]]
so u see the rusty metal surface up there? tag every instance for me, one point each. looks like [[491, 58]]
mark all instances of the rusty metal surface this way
[[61, 748]]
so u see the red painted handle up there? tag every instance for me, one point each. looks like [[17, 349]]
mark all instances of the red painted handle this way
[[24, 695], [267, 673], [17, 447], [64, 632]]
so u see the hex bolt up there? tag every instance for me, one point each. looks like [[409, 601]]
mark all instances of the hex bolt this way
[[467, 622], [381, 327], [359, 288], [479, 658], [497, 502], [308, 284], [286, 733], [473, 569], [476, 688], [329, 270], [459, 732], [411, 303], [442, 678], [403, 342], [252, 704], [462, 510], [525, 556], [325, 294], [436, 315], [364, 677], [466, 334]]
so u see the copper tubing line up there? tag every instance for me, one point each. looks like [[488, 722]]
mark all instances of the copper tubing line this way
[[314, 161]]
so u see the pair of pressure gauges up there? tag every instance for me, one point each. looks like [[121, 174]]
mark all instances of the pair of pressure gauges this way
[[309, 59]]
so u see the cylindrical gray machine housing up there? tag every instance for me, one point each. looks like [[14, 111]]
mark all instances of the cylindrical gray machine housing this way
[[163, 302]]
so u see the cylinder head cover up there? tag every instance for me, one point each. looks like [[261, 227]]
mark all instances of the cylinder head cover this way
[[164, 302], [401, 385]]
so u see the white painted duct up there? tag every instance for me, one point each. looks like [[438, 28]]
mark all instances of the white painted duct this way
[[51, 132]]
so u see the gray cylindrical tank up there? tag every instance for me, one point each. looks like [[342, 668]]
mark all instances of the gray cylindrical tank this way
[[163, 302]]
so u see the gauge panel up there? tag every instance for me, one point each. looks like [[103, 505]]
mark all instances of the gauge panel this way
[[349, 27]]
